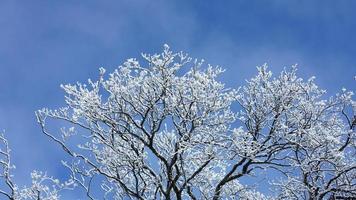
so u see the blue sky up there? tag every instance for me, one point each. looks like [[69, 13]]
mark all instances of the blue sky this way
[[46, 43]]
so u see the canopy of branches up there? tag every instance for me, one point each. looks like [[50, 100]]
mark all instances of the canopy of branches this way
[[167, 130]]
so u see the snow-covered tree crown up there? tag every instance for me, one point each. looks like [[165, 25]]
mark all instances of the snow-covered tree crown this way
[[166, 130]]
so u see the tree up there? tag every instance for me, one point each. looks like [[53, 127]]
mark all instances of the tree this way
[[43, 187], [167, 131]]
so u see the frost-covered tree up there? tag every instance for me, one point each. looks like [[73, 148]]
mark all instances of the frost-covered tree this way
[[151, 131], [291, 124], [43, 187], [166, 130]]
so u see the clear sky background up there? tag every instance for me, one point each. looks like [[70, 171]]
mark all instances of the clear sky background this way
[[46, 43]]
